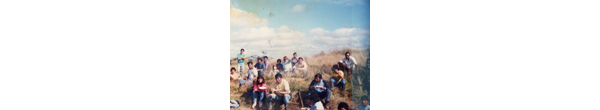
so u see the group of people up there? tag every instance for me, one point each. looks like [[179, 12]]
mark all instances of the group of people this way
[[280, 91]]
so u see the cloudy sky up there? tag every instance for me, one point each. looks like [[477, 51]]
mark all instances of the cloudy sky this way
[[282, 27]]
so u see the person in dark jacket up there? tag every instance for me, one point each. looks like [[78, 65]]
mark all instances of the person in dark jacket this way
[[320, 87]]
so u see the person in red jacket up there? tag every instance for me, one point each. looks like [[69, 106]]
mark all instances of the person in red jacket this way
[[259, 90]]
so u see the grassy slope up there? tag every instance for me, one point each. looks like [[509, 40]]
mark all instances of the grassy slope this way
[[320, 63]]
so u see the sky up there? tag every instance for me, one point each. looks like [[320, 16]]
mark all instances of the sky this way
[[308, 27]]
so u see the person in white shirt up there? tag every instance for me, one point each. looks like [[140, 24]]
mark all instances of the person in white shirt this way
[[252, 74], [300, 66], [348, 63], [316, 102]]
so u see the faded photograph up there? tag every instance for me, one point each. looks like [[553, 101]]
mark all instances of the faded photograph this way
[[299, 54]]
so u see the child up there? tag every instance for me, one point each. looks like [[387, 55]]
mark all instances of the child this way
[[259, 90]]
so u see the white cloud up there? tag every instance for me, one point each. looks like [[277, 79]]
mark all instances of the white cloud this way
[[298, 8], [241, 18], [285, 41]]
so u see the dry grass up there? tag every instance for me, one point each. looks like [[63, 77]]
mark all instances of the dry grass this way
[[319, 63]]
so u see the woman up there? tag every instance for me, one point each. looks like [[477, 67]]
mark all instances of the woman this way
[[259, 90]]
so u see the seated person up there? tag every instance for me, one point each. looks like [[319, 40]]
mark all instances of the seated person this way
[[280, 91], [252, 74], [347, 63], [277, 67], [259, 90], [260, 66], [337, 79], [300, 66], [233, 74], [316, 102], [365, 104], [343, 106], [287, 64], [321, 88]]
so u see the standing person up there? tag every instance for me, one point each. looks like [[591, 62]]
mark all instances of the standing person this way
[[295, 59], [240, 58], [259, 90], [316, 102], [287, 65], [321, 88], [233, 74], [280, 91], [348, 63], [343, 106], [260, 66], [266, 62], [300, 66], [247, 80], [365, 104], [337, 79]]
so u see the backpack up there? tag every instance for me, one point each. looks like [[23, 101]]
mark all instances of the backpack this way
[[234, 104]]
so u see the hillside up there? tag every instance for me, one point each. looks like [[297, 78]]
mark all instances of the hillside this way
[[319, 63]]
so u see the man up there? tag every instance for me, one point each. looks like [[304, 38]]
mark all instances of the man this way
[[287, 65], [294, 59], [277, 67], [240, 58], [252, 74], [233, 75], [280, 91], [343, 106], [337, 79], [365, 104], [321, 88], [316, 102], [348, 63], [300, 66], [266, 62], [260, 66]]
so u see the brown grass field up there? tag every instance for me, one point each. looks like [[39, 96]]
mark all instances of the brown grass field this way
[[319, 63]]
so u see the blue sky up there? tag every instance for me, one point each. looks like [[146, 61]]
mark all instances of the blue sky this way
[[303, 26]]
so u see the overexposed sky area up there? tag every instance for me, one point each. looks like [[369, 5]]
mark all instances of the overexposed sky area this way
[[303, 26]]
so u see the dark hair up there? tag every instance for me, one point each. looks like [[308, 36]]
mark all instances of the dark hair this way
[[278, 60], [259, 59], [347, 52], [250, 62], [318, 75], [343, 105], [300, 58], [278, 75], [335, 67], [242, 49], [265, 57], [284, 56], [260, 77], [294, 53], [232, 68], [314, 97], [364, 98]]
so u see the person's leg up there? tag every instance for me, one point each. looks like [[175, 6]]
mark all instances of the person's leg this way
[[261, 95], [270, 100], [286, 100], [240, 67], [332, 84]]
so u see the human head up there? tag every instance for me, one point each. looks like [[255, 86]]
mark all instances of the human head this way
[[365, 100], [278, 78], [250, 64], [343, 106], [318, 77], [335, 68], [295, 55], [300, 59], [260, 60], [232, 70], [347, 54], [285, 59], [278, 61], [266, 58], [260, 80], [314, 98], [242, 51]]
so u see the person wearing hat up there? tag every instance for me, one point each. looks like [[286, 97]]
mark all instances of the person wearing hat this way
[[240, 58]]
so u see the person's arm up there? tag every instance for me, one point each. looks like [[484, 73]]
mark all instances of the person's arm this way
[[310, 86], [255, 86], [353, 61], [326, 85]]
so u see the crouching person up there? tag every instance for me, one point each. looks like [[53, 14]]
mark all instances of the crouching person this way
[[337, 79], [321, 88], [280, 91]]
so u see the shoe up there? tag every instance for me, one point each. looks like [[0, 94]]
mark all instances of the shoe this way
[[259, 104], [253, 105]]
